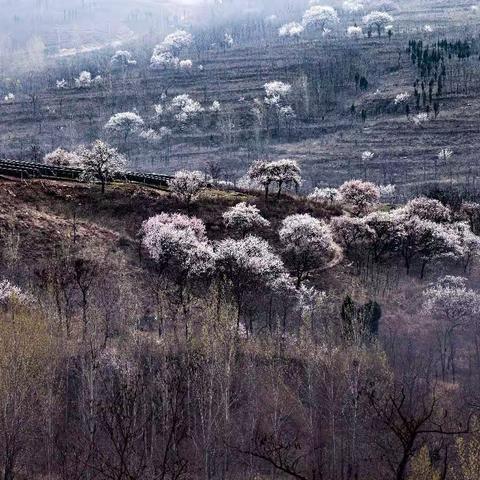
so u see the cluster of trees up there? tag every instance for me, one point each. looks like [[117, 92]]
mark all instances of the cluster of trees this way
[[444, 64], [230, 353], [421, 232], [166, 54], [325, 18]]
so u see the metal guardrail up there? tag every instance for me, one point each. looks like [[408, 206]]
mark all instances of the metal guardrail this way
[[27, 170]]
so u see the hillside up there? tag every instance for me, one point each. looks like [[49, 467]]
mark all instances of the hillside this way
[[294, 294], [99, 315], [325, 138]]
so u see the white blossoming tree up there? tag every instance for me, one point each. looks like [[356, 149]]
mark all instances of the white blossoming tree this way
[[291, 30], [354, 31], [307, 244], [329, 194], [284, 172], [420, 119], [186, 186], [353, 234], [428, 209], [178, 242], [179, 246], [276, 103], [177, 41], [84, 80], [166, 53], [453, 307], [245, 266], [377, 20], [260, 174], [352, 6], [62, 158], [124, 124], [184, 109], [320, 17], [360, 196], [401, 98], [61, 84], [469, 242], [387, 192], [425, 241], [388, 234], [11, 295], [276, 92], [162, 59], [445, 156], [122, 59], [243, 218], [101, 163], [185, 65], [227, 41]]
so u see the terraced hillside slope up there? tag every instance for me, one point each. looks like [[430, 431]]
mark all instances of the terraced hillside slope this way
[[330, 130]]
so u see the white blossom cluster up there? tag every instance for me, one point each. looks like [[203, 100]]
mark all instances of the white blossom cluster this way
[[244, 218], [276, 91], [122, 59], [359, 195], [422, 231], [228, 40], [184, 108], [367, 156], [62, 158], [354, 31], [317, 16], [85, 80], [282, 172], [320, 16], [387, 191], [379, 20], [352, 232], [445, 154], [275, 101], [420, 118], [291, 30], [427, 209], [10, 293], [216, 107], [401, 98], [322, 194], [166, 54], [186, 185], [250, 259], [124, 123], [307, 243], [61, 84], [179, 242], [451, 298], [352, 6], [101, 162], [158, 135]]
